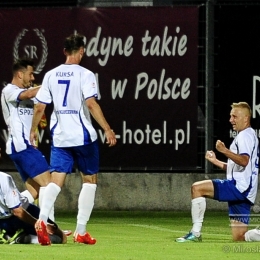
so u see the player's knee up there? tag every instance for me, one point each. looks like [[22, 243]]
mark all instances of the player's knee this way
[[195, 188], [238, 237], [92, 179], [238, 234]]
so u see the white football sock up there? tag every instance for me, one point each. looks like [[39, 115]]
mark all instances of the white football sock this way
[[27, 194], [34, 239], [85, 206], [252, 235], [198, 207], [51, 192], [41, 194]]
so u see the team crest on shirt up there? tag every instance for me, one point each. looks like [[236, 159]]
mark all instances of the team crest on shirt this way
[[31, 44]]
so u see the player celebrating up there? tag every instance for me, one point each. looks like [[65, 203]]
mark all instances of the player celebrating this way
[[70, 87], [17, 102], [240, 187]]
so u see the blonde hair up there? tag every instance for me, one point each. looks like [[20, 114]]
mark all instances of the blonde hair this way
[[243, 105]]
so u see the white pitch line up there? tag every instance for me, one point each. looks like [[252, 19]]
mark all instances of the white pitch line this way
[[170, 230], [151, 227], [63, 222]]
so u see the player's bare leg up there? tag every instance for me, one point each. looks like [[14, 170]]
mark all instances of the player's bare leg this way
[[33, 189], [238, 230]]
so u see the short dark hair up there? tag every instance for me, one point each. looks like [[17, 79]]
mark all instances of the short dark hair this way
[[74, 42], [21, 64]]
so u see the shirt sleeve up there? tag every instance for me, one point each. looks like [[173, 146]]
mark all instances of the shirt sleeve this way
[[44, 95], [245, 144], [89, 85], [12, 93], [11, 193]]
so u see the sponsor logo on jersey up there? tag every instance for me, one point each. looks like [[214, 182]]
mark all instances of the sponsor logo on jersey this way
[[25, 111], [67, 112]]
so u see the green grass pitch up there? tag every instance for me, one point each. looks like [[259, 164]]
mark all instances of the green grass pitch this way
[[149, 235]]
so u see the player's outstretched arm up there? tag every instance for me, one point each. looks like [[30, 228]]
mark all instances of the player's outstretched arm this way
[[29, 93], [25, 216]]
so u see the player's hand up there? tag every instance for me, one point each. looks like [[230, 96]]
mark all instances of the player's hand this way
[[210, 156], [220, 146], [51, 228], [33, 138], [111, 137]]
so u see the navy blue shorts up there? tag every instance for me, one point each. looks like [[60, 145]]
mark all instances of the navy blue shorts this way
[[86, 158], [29, 162], [238, 205]]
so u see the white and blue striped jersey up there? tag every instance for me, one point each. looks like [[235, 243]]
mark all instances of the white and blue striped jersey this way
[[246, 142], [10, 197], [68, 86], [18, 118]]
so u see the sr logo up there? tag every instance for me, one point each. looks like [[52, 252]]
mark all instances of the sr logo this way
[[30, 50]]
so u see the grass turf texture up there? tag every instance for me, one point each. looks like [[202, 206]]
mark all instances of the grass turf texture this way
[[146, 235]]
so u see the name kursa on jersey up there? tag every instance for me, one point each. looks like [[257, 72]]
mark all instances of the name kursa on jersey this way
[[64, 74]]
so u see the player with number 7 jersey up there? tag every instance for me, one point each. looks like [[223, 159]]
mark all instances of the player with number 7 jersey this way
[[71, 88], [68, 86]]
